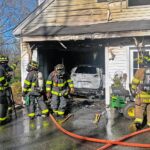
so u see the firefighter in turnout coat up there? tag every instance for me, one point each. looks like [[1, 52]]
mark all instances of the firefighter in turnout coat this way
[[32, 91], [141, 89], [3, 87], [9, 73], [58, 86]]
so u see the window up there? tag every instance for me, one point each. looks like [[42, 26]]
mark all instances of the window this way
[[86, 70], [100, 1], [134, 65], [138, 2], [110, 1]]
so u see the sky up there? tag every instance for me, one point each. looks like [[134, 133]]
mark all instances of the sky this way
[[12, 12]]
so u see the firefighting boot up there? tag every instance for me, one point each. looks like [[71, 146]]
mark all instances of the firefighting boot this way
[[45, 113], [135, 127], [138, 126], [61, 116], [55, 113], [9, 114], [31, 116]]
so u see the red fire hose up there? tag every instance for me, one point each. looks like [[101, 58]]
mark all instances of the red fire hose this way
[[110, 142], [125, 138]]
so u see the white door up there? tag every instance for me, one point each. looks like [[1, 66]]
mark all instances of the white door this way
[[134, 65]]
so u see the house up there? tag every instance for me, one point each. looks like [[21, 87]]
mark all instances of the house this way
[[106, 33]]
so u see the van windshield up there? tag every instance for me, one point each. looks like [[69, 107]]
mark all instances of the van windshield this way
[[86, 70]]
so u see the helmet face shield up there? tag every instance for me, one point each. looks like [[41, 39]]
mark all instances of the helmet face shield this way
[[60, 69]]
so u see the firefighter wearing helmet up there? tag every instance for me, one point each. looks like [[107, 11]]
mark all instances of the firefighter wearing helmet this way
[[141, 89], [9, 69], [58, 87], [3, 87], [32, 91]]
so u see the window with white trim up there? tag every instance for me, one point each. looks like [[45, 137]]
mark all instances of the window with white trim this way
[[134, 57]]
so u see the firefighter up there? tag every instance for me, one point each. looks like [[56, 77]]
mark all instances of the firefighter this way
[[58, 86], [33, 91], [9, 73], [141, 89], [3, 86]]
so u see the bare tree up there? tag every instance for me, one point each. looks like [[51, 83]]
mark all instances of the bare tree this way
[[12, 12]]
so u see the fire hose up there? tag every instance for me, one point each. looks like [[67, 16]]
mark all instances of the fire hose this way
[[125, 138], [108, 142]]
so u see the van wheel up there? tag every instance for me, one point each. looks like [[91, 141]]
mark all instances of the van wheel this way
[[128, 110], [101, 94]]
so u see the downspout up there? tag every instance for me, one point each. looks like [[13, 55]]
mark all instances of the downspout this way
[[107, 84]]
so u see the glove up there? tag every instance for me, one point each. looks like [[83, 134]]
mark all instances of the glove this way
[[48, 95], [71, 90]]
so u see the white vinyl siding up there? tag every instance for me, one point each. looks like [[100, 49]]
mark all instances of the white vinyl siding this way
[[119, 64]]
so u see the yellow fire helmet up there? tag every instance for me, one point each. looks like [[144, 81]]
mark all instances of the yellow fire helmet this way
[[3, 59], [33, 65]]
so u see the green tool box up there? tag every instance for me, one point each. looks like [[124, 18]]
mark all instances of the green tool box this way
[[117, 102]]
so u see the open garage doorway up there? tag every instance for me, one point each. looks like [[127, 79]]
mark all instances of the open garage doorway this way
[[71, 54]]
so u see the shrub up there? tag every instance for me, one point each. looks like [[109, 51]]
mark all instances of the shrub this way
[[17, 92]]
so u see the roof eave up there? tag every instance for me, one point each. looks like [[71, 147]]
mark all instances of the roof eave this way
[[18, 29]]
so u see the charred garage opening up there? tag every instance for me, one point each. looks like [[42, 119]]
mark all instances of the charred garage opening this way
[[71, 54]]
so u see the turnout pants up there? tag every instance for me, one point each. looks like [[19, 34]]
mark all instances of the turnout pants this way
[[142, 105], [58, 104], [9, 100], [3, 108], [34, 103]]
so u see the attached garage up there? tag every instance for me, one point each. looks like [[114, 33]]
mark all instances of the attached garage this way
[[78, 32]]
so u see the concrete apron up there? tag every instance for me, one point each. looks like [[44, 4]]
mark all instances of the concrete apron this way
[[21, 134]]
